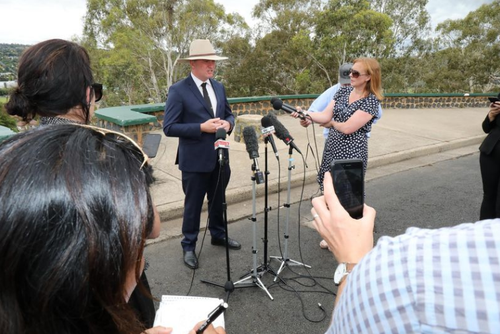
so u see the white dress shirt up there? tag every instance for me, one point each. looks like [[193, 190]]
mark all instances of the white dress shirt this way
[[210, 90]]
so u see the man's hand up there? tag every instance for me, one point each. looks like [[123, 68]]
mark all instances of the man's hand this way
[[211, 125], [349, 239], [210, 329], [304, 122], [225, 125]]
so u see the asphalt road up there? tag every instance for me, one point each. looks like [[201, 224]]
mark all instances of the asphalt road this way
[[441, 194]]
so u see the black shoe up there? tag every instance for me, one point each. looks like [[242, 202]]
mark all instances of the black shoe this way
[[190, 259], [233, 244]]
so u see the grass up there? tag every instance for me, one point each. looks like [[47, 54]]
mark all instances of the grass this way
[[3, 99]]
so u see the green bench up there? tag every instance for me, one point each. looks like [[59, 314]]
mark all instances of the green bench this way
[[5, 133], [126, 120]]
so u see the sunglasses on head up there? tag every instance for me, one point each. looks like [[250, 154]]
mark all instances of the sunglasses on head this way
[[118, 135], [355, 74], [97, 87]]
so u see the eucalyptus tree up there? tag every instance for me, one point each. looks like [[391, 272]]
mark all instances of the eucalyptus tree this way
[[281, 59], [151, 35], [348, 29], [472, 49], [410, 23]]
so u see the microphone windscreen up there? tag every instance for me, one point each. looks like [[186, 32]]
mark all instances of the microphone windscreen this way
[[266, 121], [277, 104], [281, 132], [220, 134], [252, 145]]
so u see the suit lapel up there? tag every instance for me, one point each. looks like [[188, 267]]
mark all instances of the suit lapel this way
[[197, 93]]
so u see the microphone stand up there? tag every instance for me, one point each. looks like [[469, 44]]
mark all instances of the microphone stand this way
[[255, 273], [285, 260], [228, 286], [265, 264]]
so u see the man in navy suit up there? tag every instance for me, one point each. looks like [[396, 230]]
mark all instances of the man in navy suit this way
[[196, 107]]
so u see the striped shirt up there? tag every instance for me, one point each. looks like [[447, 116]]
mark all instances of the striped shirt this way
[[426, 281]]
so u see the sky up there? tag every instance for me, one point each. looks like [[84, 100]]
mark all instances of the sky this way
[[33, 21]]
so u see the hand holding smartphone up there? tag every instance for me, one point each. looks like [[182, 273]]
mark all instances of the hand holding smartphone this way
[[348, 181]]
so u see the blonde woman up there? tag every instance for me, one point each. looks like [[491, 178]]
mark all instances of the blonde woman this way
[[351, 114]]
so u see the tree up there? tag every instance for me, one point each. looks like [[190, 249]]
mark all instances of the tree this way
[[410, 22], [472, 48], [350, 29], [280, 61], [152, 35]]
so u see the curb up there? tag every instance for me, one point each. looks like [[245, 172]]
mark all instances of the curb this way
[[174, 210]]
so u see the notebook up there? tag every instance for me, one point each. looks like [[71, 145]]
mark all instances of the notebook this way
[[182, 313]]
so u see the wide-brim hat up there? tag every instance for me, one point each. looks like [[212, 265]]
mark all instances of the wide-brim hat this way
[[344, 71], [201, 49]]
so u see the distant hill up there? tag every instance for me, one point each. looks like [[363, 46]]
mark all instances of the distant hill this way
[[9, 57]]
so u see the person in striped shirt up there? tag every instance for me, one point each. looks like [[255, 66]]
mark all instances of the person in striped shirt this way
[[444, 280]]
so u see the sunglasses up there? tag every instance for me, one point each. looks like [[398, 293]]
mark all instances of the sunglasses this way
[[355, 74], [97, 87], [104, 132]]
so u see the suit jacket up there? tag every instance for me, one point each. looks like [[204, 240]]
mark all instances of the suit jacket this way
[[185, 110], [493, 137]]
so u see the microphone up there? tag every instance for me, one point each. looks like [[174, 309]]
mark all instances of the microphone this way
[[252, 146], [221, 144], [267, 132], [278, 104], [282, 133]]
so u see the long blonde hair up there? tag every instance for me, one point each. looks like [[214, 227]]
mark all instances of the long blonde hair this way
[[374, 85]]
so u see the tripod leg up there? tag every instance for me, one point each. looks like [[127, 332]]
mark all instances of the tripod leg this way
[[297, 263], [282, 266], [263, 287]]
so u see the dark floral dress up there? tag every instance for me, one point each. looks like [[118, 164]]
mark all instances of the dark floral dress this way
[[352, 146]]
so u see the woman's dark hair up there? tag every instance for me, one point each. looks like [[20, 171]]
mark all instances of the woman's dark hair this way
[[75, 211], [53, 77]]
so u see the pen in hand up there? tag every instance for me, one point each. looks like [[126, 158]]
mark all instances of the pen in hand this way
[[212, 316]]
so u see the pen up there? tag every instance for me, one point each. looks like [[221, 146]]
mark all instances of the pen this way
[[212, 316]]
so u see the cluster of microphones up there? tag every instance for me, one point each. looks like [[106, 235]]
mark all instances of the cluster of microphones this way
[[270, 125]]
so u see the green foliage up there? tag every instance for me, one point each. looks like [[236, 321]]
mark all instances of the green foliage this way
[[144, 40], [7, 120], [4, 91], [9, 57], [471, 48], [345, 31], [410, 23], [297, 47]]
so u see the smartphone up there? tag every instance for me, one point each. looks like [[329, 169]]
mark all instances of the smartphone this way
[[348, 180], [493, 99], [150, 144]]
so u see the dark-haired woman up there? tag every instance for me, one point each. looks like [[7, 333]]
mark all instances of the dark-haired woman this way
[[55, 82], [71, 251], [489, 160]]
